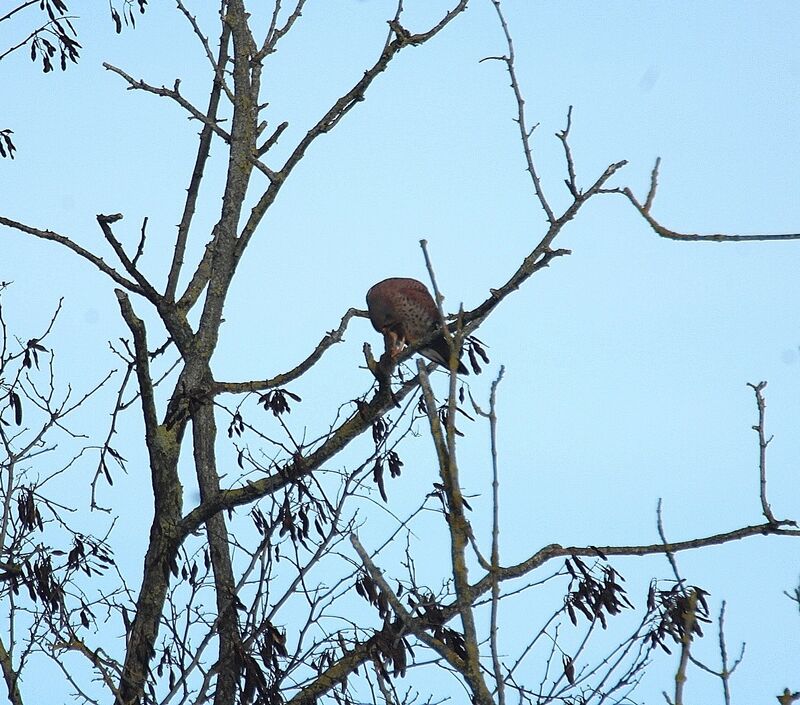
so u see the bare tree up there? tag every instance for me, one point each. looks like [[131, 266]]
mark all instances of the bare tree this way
[[262, 609]]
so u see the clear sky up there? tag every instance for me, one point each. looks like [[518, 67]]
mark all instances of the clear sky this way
[[626, 363]]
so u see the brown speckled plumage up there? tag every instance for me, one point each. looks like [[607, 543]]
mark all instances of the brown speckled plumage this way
[[405, 312]]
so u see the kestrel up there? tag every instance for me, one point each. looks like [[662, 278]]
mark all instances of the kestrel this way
[[404, 311]]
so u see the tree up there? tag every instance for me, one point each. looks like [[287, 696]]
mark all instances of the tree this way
[[276, 582]]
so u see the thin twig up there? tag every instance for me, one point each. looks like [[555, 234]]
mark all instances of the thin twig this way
[[453, 343], [272, 140], [140, 246], [763, 442], [524, 132], [217, 65], [563, 136], [726, 672], [17, 9], [651, 194], [173, 93], [105, 222], [275, 33], [495, 559], [669, 554]]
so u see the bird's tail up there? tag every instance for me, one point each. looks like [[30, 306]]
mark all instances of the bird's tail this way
[[439, 352]]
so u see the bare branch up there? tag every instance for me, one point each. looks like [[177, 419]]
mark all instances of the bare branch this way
[[77, 249], [437, 295], [140, 246], [541, 256], [174, 94], [763, 442], [217, 64], [662, 535], [102, 468], [275, 33], [563, 136], [19, 45], [19, 8], [553, 551], [524, 132], [330, 339], [651, 194], [300, 465], [491, 415], [460, 531], [163, 445], [105, 222], [272, 140], [727, 671], [203, 151], [694, 237], [103, 665], [338, 110]]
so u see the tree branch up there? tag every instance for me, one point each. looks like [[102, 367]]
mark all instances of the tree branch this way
[[174, 94], [301, 465], [330, 339], [77, 249], [275, 33], [491, 415], [763, 442], [460, 531], [644, 211], [524, 132], [402, 613], [218, 64], [339, 109], [555, 550], [203, 151], [105, 222], [163, 445]]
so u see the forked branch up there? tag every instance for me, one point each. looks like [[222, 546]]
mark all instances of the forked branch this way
[[645, 211], [78, 250]]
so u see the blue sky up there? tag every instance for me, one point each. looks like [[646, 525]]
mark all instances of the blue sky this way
[[626, 363]]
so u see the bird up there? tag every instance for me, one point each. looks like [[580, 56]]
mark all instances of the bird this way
[[405, 312]]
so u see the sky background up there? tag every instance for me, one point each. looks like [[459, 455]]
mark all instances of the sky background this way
[[626, 363]]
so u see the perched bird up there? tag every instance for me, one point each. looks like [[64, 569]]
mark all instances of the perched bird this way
[[404, 311]]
